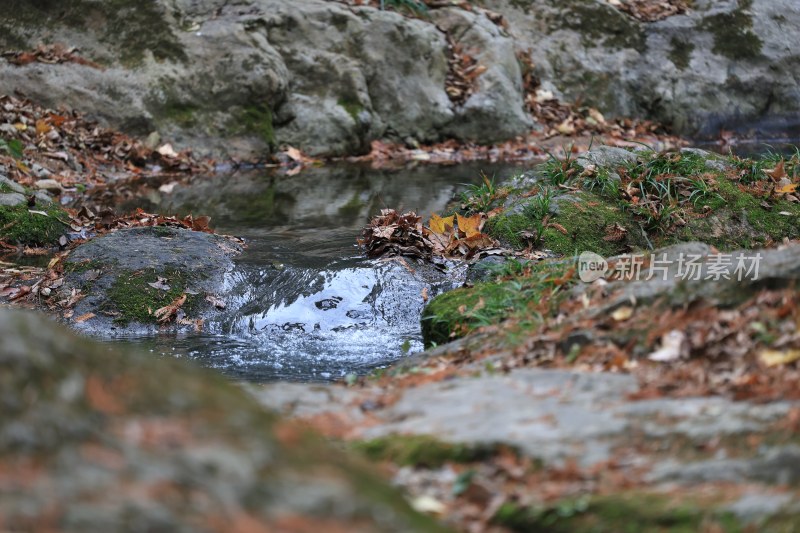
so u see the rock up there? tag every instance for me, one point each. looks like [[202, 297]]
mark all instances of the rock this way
[[12, 199], [498, 98], [123, 289], [699, 72], [49, 185], [11, 185], [607, 156], [43, 198], [94, 438]]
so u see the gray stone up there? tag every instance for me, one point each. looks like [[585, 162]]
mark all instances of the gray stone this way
[[607, 156], [12, 199], [49, 185], [126, 441], [11, 185]]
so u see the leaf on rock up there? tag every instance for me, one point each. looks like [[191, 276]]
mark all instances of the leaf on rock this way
[[168, 312]]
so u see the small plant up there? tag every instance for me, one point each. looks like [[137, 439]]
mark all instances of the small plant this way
[[13, 148], [479, 197], [600, 180], [560, 172], [539, 206], [701, 191]]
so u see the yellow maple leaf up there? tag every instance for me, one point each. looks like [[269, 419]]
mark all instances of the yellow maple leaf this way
[[787, 189], [441, 225], [470, 226]]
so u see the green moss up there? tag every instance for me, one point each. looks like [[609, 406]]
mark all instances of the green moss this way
[[579, 226], [129, 28], [180, 113], [681, 52], [617, 514], [600, 25], [353, 108], [255, 119], [19, 226], [78, 267], [733, 33], [526, 296], [422, 451], [136, 301]]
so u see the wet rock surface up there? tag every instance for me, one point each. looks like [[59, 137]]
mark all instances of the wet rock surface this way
[[93, 438], [127, 275]]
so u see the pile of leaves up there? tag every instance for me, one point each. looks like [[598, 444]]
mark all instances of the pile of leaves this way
[[50, 54], [462, 73], [454, 237], [74, 150], [651, 10], [569, 120]]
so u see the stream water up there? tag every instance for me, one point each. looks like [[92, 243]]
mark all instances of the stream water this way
[[306, 304]]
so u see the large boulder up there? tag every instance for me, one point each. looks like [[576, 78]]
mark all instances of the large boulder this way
[[726, 64], [94, 439]]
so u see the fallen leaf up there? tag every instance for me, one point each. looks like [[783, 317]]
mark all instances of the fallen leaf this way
[[441, 225], [425, 294], [787, 189], [84, 318], [470, 226], [160, 284], [778, 172], [166, 313], [671, 345], [622, 314], [778, 358]]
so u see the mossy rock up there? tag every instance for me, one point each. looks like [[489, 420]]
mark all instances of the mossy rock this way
[[422, 451], [123, 440], [130, 29], [129, 274], [29, 227]]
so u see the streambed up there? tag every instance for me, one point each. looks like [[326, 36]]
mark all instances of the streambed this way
[[306, 304]]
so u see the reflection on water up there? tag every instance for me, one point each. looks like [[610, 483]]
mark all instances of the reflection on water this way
[[307, 306]]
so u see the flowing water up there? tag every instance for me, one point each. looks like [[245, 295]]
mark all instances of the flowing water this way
[[306, 304]]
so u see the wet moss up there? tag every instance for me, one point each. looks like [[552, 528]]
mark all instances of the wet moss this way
[[422, 451], [733, 33], [255, 119], [19, 225], [128, 28], [681, 52], [135, 300]]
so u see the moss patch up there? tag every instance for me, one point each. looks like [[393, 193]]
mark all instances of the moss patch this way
[[19, 226], [527, 296], [733, 33], [422, 451], [254, 119], [136, 301], [681, 52], [353, 108], [618, 513], [600, 25]]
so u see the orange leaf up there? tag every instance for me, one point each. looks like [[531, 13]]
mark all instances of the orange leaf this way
[[42, 127], [778, 172], [166, 313], [471, 226], [441, 225]]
